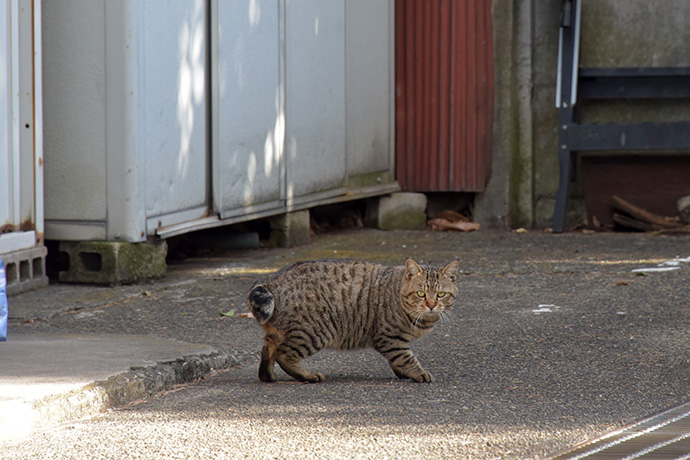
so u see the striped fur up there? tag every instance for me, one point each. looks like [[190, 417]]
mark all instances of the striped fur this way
[[349, 304]]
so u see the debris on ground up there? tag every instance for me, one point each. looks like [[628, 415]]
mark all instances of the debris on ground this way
[[633, 217], [453, 220], [665, 266]]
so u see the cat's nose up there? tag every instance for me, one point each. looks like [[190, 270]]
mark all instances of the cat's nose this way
[[430, 304]]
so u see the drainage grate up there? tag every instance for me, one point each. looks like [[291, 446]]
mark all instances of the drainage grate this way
[[664, 436]]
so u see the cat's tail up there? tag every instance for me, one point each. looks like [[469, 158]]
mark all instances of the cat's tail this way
[[261, 303]]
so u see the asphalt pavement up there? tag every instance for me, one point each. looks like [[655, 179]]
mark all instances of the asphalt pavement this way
[[554, 339]]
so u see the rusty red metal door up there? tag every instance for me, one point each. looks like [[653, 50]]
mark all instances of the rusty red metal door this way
[[444, 94]]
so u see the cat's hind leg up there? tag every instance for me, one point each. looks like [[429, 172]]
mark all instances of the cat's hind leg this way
[[266, 367], [295, 369], [288, 356], [268, 353]]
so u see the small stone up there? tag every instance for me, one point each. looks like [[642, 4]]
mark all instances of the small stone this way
[[684, 209]]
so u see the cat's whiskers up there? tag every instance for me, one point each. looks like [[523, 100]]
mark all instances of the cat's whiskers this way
[[420, 313], [445, 317]]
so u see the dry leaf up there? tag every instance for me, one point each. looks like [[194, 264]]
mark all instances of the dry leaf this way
[[441, 224], [452, 216]]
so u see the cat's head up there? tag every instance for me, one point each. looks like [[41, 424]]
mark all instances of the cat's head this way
[[428, 291]]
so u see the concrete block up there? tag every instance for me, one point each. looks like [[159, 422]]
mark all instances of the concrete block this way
[[398, 211], [106, 262], [25, 270], [289, 230]]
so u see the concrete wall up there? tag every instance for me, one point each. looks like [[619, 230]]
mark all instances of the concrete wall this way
[[509, 198], [522, 189], [544, 114]]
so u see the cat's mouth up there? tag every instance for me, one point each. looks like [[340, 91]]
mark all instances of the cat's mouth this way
[[429, 314], [425, 317]]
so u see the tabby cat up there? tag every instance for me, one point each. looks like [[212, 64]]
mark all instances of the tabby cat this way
[[349, 304]]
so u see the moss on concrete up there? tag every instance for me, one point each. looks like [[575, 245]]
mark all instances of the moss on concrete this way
[[404, 220], [139, 261], [398, 211], [108, 262], [369, 179]]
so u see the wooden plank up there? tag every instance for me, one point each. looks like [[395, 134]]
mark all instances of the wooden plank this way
[[641, 214], [628, 222], [652, 181]]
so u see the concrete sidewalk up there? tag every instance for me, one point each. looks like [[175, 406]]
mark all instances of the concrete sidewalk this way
[[47, 378], [51, 375], [76, 350]]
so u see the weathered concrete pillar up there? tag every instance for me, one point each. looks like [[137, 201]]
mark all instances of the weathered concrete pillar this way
[[289, 230], [509, 196], [398, 211]]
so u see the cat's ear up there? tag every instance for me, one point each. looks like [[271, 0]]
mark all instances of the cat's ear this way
[[413, 269], [451, 270]]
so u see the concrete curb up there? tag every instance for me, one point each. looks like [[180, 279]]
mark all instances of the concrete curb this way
[[116, 391]]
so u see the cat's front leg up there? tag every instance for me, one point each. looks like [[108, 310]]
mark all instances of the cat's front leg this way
[[421, 377], [291, 365], [413, 372], [398, 373], [404, 363]]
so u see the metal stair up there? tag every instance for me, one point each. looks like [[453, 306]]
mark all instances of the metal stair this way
[[576, 85]]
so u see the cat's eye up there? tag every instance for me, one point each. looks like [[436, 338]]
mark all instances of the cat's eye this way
[[440, 294], [421, 294]]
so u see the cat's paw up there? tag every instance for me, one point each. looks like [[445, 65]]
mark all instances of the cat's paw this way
[[424, 377], [266, 374], [266, 377], [314, 378]]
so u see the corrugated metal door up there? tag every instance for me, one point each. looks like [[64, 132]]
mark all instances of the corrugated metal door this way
[[444, 94]]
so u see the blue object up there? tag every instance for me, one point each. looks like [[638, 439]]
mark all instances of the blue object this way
[[3, 304]]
